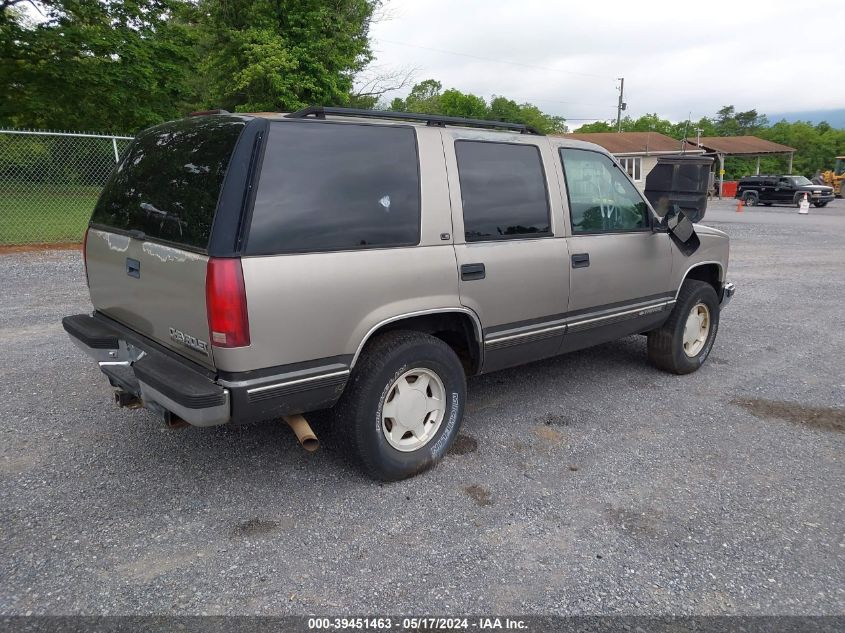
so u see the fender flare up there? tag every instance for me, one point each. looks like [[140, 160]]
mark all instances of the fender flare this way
[[476, 323], [698, 265]]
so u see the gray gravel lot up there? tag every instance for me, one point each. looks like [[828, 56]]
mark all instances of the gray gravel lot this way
[[590, 483]]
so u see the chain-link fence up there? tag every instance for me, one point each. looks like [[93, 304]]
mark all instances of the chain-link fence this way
[[49, 183]]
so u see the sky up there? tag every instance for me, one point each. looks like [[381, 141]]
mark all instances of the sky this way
[[678, 58]]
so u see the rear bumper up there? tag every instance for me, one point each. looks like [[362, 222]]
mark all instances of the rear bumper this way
[[167, 383], [162, 383]]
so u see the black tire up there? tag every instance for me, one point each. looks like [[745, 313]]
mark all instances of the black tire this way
[[798, 198], [666, 343], [820, 204], [359, 411], [750, 198]]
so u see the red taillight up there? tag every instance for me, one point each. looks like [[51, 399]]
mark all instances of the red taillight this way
[[225, 299], [85, 256]]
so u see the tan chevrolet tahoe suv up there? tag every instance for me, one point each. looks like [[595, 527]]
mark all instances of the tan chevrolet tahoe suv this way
[[253, 267]]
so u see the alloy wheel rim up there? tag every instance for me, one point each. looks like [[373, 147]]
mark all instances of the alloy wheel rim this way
[[413, 409], [696, 329]]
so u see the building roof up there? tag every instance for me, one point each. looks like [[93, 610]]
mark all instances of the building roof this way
[[739, 145], [642, 143]]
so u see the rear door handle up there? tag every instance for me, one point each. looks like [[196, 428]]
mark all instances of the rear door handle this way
[[580, 260], [133, 268], [470, 272]]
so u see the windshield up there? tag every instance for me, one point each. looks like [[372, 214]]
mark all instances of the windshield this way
[[801, 181], [169, 180]]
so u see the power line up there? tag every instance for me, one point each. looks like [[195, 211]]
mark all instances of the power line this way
[[574, 103], [489, 59]]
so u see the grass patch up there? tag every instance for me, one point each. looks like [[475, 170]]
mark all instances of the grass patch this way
[[31, 213]]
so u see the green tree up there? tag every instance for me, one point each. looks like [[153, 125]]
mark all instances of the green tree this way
[[424, 97], [282, 54], [456, 103], [102, 65], [428, 97], [542, 122]]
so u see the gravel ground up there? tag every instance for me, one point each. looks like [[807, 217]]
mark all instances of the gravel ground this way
[[590, 483]]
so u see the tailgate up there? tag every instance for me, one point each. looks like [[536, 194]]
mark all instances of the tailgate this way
[[156, 290], [150, 231]]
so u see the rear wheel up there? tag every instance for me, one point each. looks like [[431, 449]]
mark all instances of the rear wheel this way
[[403, 405], [683, 343], [750, 198]]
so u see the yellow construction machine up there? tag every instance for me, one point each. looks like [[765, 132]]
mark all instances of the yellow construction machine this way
[[836, 177]]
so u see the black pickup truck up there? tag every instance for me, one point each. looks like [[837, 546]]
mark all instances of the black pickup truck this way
[[769, 190]]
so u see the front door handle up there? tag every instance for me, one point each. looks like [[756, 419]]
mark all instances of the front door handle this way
[[581, 260], [470, 272]]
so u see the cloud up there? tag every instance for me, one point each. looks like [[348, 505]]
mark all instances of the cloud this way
[[677, 57]]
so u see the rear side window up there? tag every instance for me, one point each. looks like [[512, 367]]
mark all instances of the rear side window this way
[[168, 182], [503, 191], [326, 187]]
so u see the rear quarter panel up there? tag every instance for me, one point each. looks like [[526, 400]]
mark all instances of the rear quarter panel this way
[[310, 306]]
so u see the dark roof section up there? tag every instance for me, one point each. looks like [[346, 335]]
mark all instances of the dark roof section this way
[[642, 143], [739, 145]]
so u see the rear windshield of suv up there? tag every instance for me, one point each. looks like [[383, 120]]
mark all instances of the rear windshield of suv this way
[[168, 182]]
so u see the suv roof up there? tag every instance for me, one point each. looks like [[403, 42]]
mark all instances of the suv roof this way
[[431, 120], [757, 176]]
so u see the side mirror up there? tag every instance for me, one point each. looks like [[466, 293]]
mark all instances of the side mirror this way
[[680, 226], [682, 231]]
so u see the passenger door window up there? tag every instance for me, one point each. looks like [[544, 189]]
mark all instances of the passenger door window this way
[[601, 199], [503, 191]]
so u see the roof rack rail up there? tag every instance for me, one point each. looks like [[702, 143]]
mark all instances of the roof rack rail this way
[[207, 112], [434, 120]]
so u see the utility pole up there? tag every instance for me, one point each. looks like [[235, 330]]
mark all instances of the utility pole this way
[[698, 132], [622, 105]]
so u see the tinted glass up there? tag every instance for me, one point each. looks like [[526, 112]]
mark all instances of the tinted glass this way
[[601, 199], [169, 180], [330, 186], [503, 191]]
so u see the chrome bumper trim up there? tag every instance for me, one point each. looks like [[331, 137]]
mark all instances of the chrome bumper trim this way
[[208, 416]]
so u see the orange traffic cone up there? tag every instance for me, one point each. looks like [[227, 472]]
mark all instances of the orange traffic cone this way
[[739, 206]]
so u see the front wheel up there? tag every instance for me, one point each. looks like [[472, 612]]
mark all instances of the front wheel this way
[[683, 343], [403, 405], [819, 205], [750, 199]]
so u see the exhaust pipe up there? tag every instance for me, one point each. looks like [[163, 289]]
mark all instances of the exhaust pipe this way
[[304, 432]]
